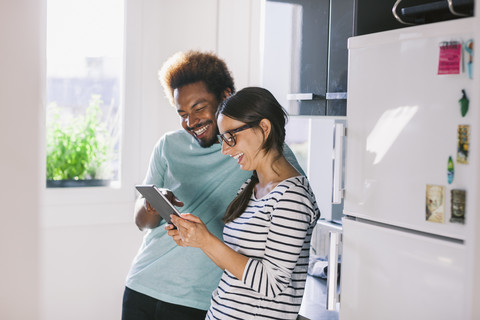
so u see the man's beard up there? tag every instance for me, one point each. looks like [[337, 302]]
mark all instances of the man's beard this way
[[205, 142]]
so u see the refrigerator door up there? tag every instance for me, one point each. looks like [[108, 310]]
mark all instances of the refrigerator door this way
[[393, 274], [403, 120]]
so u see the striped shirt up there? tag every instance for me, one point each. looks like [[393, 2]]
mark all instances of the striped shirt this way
[[274, 233]]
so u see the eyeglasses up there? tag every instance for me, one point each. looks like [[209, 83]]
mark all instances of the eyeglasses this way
[[229, 138]]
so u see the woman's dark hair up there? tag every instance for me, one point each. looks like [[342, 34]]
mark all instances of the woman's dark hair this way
[[185, 68], [251, 105]]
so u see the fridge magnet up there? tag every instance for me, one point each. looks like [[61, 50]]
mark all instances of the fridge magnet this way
[[435, 203], [464, 102], [469, 50], [450, 170], [450, 57], [457, 202], [463, 141]]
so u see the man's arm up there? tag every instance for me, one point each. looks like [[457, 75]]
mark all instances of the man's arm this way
[[145, 219]]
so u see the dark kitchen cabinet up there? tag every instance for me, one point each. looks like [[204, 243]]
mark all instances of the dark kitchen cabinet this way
[[305, 54], [377, 15]]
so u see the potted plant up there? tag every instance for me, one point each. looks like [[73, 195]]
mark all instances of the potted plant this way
[[78, 148]]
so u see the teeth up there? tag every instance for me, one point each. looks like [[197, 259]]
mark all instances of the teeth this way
[[237, 156], [201, 130]]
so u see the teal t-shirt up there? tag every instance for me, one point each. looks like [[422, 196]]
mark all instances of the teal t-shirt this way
[[206, 181]]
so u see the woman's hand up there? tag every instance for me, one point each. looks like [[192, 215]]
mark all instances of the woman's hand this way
[[191, 231], [173, 232]]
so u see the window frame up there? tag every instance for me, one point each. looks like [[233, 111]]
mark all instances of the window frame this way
[[113, 203]]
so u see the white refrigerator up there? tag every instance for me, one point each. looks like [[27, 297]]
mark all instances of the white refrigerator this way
[[409, 165]]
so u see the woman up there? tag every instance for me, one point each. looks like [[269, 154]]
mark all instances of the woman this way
[[268, 225]]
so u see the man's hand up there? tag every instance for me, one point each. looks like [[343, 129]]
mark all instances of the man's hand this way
[[146, 217], [171, 197]]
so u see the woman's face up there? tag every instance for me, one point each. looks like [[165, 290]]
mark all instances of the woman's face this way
[[247, 149]]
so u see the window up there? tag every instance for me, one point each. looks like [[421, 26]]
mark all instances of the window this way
[[84, 91]]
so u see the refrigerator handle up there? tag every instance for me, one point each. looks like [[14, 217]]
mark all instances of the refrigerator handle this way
[[338, 164], [332, 272]]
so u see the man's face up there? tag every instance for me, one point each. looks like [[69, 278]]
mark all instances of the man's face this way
[[196, 107]]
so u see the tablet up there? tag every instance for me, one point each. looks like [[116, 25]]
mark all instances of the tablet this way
[[158, 201]]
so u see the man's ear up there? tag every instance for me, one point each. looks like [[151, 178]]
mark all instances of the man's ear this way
[[266, 126], [227, 93]]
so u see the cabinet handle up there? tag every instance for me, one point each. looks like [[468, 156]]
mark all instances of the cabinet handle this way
[[451, 8], [300, 96], [336, 96], [312, 96], [332, 273], [395, 14]]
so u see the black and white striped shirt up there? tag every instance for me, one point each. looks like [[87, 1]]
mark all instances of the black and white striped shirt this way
[[274, 232]]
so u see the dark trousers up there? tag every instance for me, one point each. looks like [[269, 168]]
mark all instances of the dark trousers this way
[[137, 306]]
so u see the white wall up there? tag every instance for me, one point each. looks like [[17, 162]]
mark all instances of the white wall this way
[[89, 238], [21, 35], [228, 27]]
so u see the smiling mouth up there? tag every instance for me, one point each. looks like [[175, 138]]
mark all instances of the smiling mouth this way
[[198, 131], [237, 156]]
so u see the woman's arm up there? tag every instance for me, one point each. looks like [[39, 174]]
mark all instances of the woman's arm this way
[[287, 243], [192, 232], [284, 245]]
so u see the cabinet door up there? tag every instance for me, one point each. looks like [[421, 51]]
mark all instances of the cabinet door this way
[[375, 16], [341, 28], [296, 54]]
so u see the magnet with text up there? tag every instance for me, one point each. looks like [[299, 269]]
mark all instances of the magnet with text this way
[[450, 170], [457, 202], [464, 103], [450, 57], [463, 143], [435, 203], [469, 49]]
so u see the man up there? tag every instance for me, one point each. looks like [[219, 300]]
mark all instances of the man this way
[[167, 281]]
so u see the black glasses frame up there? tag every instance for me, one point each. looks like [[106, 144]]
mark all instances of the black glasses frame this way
[[229, 136]]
